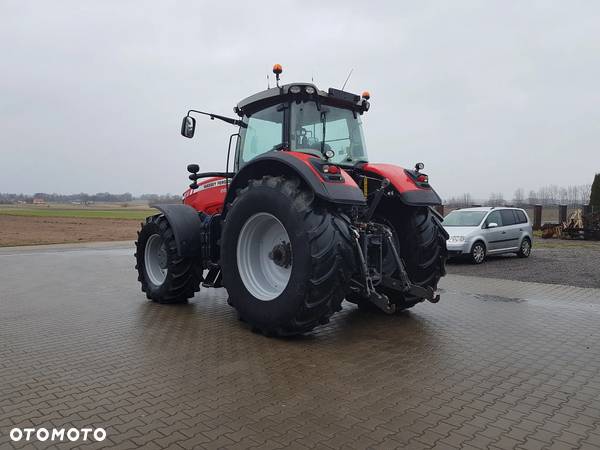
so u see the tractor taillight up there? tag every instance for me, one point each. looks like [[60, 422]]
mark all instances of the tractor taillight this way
[[423, 179], [331, 169]]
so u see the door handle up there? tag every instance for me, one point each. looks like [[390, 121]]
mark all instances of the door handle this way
[[504, 232]]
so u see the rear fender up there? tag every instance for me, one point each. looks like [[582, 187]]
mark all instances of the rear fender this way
[[187, 228], [300, 165], [407, 189]]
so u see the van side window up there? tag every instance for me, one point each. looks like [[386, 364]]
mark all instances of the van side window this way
[[522, 218], [508, 218], [494, 218]]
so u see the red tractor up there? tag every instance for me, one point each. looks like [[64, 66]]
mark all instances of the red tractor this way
[[302, 221]]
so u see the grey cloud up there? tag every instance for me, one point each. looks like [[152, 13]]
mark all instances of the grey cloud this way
[[490, 95]]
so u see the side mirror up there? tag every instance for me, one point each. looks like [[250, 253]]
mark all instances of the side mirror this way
[[492, 225], [188, 126]]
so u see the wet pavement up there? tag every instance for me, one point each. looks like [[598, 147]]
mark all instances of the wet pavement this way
[[554, 261], [496, 363]]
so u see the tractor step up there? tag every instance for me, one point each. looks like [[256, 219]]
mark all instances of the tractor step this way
[[214, 278]]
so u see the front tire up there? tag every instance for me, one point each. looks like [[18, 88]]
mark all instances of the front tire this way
[[478, 253], [286, 260], [165, 277]]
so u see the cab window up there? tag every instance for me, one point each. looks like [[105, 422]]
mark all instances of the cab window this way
[[494, 217], [343, 132], [263, 133]]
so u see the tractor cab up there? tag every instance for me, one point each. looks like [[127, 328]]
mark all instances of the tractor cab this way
[[301, 118]]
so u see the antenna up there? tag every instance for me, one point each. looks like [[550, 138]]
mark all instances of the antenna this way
[[347, 78], [268, 82]]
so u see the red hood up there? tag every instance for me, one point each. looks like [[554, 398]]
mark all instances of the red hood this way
[[396, 174]]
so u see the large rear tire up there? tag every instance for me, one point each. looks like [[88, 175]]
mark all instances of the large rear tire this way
[[165, 277], [286, 260], [422, 248]]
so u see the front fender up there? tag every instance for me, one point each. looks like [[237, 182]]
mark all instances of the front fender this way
[[187, 228], [409, 192]]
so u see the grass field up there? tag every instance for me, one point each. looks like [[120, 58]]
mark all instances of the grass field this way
[[83, 213]]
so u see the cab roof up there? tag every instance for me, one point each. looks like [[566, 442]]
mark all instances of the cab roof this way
[[269, 97]]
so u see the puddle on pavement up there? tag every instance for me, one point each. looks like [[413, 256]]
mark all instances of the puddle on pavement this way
[[497, 298], [486, 297]]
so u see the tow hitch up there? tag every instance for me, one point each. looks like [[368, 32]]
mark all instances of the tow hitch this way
[[405, 283], [369, 250]]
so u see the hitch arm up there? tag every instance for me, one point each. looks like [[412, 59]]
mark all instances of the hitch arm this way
[[379, 300], [376, 199], [405, 283]]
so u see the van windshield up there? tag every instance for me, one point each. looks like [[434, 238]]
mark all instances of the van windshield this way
[[329, 128], [464, 218]]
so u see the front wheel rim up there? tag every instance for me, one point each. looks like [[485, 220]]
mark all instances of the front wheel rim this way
[[264, 256], [155, 260], [478, 253]]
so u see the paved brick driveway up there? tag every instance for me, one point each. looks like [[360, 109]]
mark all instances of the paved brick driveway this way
[[494, 364]]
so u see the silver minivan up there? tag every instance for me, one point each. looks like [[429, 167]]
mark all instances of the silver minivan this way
[[478, 232]]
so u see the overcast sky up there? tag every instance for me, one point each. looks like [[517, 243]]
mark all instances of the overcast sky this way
[[490, 95]]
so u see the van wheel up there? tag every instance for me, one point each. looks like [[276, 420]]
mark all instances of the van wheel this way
[[525, 248], [478, 252]]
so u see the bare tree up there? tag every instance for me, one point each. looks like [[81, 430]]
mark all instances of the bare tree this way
[[544, 195], [496, 199], [466, 200], [563, 196], [572, 195], [584, 193], [532, 199], [519, 197], [462, 201], [553, 190]]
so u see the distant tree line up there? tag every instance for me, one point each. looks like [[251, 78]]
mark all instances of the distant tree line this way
[[101, 197], [573, 195]]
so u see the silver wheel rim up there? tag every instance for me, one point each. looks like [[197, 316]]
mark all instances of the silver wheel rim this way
[[478, 253], [264, 256], [525, 247], [155, 260]]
